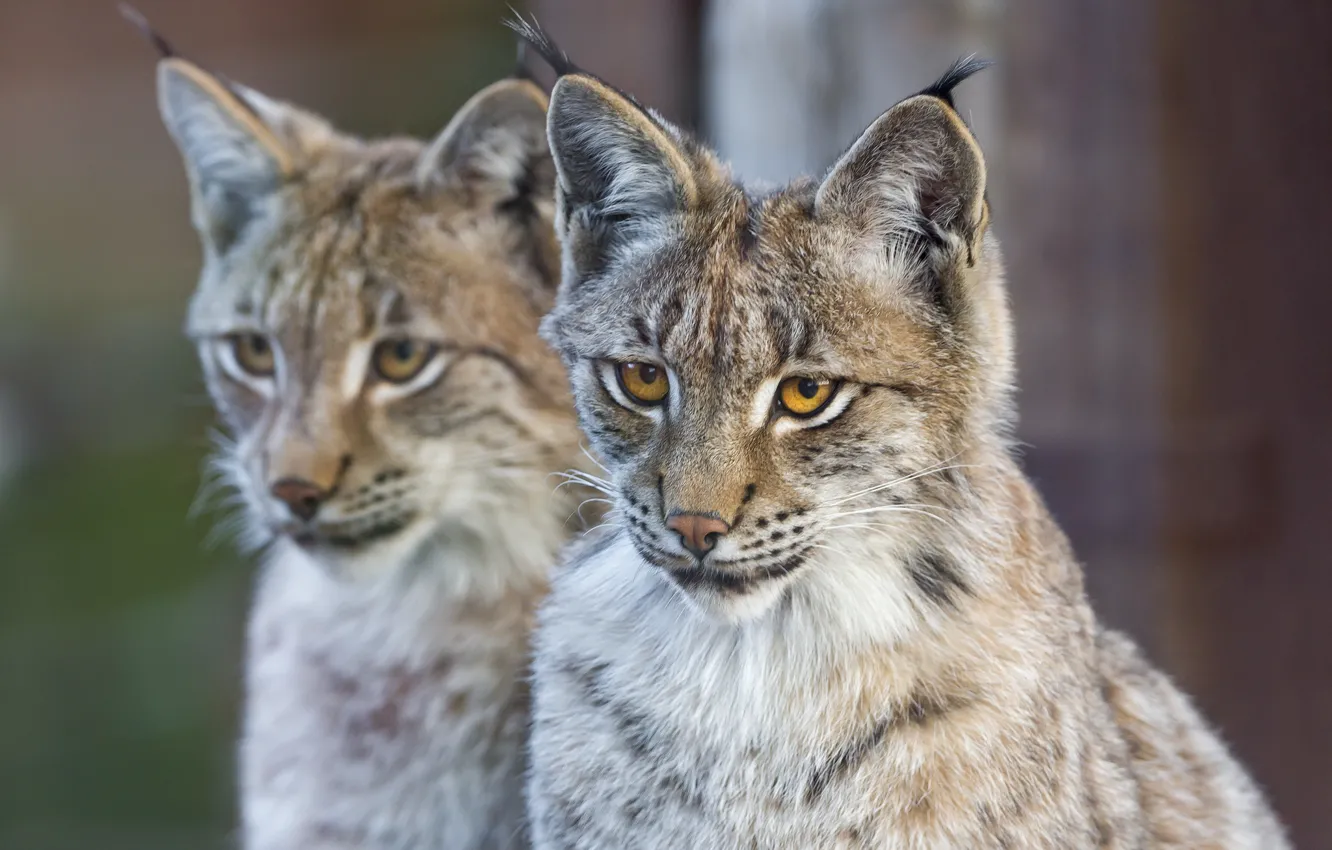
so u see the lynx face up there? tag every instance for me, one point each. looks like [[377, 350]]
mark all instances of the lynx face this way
[[775, 378], [367, 315]]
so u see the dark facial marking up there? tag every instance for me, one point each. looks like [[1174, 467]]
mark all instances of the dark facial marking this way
[[748, 232], [937, 577], [641, 331], [669, 317], [399, 311], [790, 336]]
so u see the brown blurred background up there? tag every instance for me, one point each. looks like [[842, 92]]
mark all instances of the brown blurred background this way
[[1159, 172]]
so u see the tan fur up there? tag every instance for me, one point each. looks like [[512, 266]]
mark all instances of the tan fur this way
[[891, 646], [387, 706]]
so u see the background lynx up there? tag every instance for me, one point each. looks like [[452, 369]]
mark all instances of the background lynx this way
[[366, 319], [832, 612]]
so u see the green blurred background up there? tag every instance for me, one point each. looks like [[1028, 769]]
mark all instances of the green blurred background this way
[[1158, 171], [121, 616]]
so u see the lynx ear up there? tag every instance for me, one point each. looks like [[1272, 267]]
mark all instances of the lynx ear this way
[[615, 161], [496, 142], [238, 145], [916, 171]]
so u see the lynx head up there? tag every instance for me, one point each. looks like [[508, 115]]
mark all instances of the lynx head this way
[[367, 321], [754, 367]]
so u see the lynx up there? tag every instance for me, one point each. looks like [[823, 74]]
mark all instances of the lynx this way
[[831, 612], [367, 323]]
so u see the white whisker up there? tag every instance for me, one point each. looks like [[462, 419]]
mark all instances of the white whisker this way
[[610, 520], [583, 448], [579, 509], [910, 509], [592, 482], [934, 470]]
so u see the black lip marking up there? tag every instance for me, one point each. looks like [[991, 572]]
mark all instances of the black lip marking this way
[[655, 557], [726, 581], [347, 541]]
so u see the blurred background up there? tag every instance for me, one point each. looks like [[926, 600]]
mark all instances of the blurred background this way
[[1158, 178]]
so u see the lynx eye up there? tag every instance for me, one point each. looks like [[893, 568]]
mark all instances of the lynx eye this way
[[645, 383], [399, 360], [804, 397], [254, 354]]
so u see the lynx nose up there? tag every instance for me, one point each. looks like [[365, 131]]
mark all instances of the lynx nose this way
[[698, 532], [301, 496]]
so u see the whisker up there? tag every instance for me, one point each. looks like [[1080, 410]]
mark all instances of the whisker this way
[[911, 509], [579, 509], [574, 476], [583, 448], [584, 473], [887, 484], [864, 525], [895, 482], [584, 476], [611, 519]]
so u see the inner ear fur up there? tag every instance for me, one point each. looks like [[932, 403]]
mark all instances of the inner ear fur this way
[[612, 155], [917, 165], [498, 136]]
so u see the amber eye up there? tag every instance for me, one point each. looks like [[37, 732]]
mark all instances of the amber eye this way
[[805, 396], [254, 354], [643, 382], [399, 360]]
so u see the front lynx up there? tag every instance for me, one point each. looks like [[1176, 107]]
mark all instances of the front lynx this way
[[832, 612], [367, 323]]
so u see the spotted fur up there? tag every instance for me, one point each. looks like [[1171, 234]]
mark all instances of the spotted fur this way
[[891, 646], [387, 705]]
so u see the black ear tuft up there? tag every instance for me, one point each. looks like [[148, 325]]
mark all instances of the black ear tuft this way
[[167, 51], [532, 34], [964, 67], [135, 17]]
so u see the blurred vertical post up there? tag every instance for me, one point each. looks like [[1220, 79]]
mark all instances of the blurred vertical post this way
[[1081, 235], [789, 84], [1243, 95]]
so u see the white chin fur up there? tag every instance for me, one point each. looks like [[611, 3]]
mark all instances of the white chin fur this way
[[375, 561], [734, 607]]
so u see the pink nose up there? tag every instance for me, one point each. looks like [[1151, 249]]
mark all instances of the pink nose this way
[[698, 532], [301, 496]]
